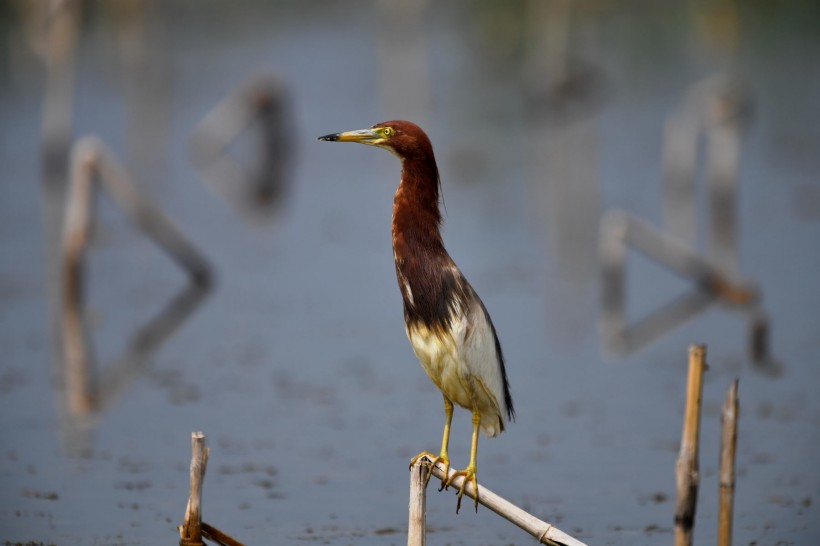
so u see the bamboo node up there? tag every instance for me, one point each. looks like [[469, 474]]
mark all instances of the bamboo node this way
[[545, 533]]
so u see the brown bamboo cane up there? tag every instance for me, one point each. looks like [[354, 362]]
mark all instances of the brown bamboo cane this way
[[687, 472], [727, 465]]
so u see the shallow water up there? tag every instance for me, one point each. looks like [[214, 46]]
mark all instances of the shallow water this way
[[296, 365]]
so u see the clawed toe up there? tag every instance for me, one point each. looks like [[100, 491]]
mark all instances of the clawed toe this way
[[433, 461], [469, 474]]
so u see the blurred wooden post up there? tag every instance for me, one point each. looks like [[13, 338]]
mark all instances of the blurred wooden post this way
[[190, 532], [687, 473], [416, 525], [62, 29], [727, 465]]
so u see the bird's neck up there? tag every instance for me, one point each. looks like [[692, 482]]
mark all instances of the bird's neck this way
[[416, 216]]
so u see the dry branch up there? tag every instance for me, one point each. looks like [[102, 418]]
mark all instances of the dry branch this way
[[544, 532], [727, 465], [687, 473]]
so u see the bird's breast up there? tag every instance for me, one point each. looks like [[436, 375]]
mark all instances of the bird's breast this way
[[440, 354]]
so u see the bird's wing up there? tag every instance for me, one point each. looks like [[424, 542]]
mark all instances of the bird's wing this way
[[485, 363]]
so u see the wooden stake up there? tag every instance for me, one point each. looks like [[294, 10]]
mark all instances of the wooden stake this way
[[190, 532], [687, 473], [416, 525], [544, 532], [727, 465]]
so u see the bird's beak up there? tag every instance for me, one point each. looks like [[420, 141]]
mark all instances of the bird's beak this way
[[364, 136]]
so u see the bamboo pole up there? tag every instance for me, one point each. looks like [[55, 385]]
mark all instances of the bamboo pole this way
[[727, 465], [687, 472], [544, 532], [416, 525], [190, 532]]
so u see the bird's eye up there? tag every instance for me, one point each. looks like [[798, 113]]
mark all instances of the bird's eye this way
[[388, 131]]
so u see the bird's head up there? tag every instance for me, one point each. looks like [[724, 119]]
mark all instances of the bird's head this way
[[403, 138]]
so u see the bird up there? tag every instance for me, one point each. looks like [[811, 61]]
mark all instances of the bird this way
[[446, 322]]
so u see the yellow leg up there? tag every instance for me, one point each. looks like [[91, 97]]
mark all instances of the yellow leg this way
[[445, 442], [469, 473]]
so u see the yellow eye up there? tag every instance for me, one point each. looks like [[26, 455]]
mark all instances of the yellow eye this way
[[388, 131]]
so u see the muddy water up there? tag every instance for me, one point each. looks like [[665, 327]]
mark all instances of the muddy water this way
[[295, 364]]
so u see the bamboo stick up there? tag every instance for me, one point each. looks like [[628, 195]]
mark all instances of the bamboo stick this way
[[687, 472], [190, 532], [215, 535], [544, 532], [727, 465], [416, 525]]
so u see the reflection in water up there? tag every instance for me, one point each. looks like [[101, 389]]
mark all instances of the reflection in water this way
[[87, 392], [759, 333], [58, 25], [718, 109], [565, 97], [51, 30], [142, 32], [260, 102], [559, 85], [619, 231]]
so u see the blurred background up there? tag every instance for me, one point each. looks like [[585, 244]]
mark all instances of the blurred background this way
[[621, 179]]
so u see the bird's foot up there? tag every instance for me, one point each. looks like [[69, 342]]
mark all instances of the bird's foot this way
[[469, 474], [433, 461]]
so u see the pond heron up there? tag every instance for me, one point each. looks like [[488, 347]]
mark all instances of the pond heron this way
[[446, 322]]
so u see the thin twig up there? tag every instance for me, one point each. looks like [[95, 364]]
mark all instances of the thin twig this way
[[727, 465], [544, 532], [687, 473]]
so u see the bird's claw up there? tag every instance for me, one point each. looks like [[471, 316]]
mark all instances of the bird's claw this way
[[469, 474], [433, 460]]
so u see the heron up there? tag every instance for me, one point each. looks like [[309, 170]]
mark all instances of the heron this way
[[446, 322]]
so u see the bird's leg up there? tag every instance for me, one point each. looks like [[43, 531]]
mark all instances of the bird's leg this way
[[469, 473], [445, 442]]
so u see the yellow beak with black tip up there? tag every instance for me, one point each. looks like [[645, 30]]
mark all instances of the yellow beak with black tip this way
[[375, 136], [363, 136]]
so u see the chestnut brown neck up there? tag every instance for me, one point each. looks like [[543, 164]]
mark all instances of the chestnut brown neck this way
[[416, 215]]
